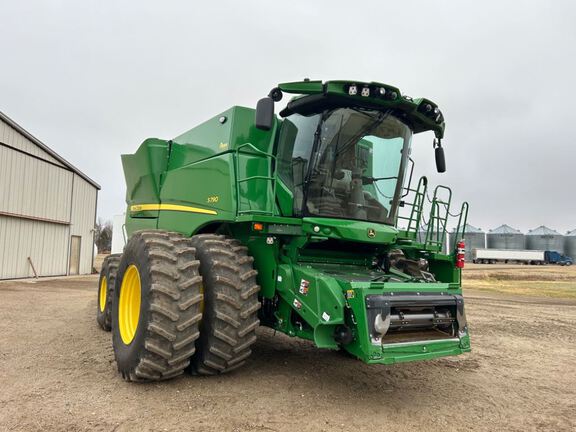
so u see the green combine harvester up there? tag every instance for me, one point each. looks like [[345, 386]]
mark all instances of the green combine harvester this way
[[308, 223]]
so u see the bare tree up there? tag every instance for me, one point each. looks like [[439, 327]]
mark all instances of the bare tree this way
[[103, 235]]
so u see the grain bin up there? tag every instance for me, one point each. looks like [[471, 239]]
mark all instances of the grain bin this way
[[544, 238], [474, 238], [505, 237], [570, 244]]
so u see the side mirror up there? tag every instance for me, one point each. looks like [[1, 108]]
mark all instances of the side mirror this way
[[265, 113], [440, 159]]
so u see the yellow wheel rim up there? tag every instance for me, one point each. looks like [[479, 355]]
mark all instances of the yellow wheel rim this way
[[129, 304], [103, 293]]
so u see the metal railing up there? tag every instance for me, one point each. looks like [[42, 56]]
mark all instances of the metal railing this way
[[432, 234], [461, 227], [438, 222], [270, 201], [416, 208]]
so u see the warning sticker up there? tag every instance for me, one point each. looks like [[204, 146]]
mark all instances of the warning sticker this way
[[350, 294], [304, 284], [297, 304], [325, 316]]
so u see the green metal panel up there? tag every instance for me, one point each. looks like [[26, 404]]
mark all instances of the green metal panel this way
[[321, 305], [302, 87], [352, 230], [143, 171], [206, 184], [136, 223], [212, 136], [227, 131]]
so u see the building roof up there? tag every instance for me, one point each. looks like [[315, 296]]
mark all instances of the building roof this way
[[505, 229], [571, 233], [543, 230], [47, 149]]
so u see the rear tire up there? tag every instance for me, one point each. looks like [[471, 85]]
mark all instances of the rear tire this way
[[103, 300], [156, 308], [230, 315], [106, 281]]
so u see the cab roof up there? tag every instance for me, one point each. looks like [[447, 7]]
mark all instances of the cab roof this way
[[316, 96]]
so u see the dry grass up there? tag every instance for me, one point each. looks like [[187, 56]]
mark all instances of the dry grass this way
[[537, 281]]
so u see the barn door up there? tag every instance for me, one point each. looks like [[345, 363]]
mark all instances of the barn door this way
[[75, 255]]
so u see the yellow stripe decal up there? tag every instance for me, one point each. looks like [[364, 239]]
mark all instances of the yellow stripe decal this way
[[173, 207]]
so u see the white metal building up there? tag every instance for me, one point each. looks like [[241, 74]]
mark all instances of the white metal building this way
[[47, 209]]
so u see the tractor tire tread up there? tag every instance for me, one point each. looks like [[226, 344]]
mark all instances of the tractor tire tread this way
[[231, 303], [174, 306], [109, 269]]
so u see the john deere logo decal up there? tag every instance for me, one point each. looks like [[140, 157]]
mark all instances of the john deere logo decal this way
[[371, 233]]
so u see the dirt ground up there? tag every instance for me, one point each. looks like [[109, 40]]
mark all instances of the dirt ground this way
[[57, 372]]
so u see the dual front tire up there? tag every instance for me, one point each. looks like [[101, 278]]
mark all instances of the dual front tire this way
[[229, 320], [182, 303], [157, 306]]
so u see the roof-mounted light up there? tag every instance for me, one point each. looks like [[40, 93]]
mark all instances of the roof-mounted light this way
[[386, 93], [430, 110], [371, 90]]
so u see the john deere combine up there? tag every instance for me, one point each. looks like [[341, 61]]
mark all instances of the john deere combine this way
[[308, 223]]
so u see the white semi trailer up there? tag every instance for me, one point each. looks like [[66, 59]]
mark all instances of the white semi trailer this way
[[492, 256]]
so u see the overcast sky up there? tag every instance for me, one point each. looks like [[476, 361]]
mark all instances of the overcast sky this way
[[93, 79]]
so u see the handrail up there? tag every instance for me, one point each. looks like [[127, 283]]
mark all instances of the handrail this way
[[270, 209], [437, 225], [416, 208], [434, 238], [461, 227]]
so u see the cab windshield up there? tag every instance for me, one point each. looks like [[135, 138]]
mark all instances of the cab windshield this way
[[346, 163]]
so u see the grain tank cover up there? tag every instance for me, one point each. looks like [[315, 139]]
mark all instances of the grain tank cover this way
[[506, 237], [544, 238], [570, 244]]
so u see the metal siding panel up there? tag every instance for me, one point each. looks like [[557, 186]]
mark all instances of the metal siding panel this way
[[15, 139], [45, 243], [82, 222], [3, 247], [4, 165], [50, 256], [34, 188], [9, 260]]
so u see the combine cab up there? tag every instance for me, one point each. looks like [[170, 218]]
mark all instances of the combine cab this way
[[307, 223]]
